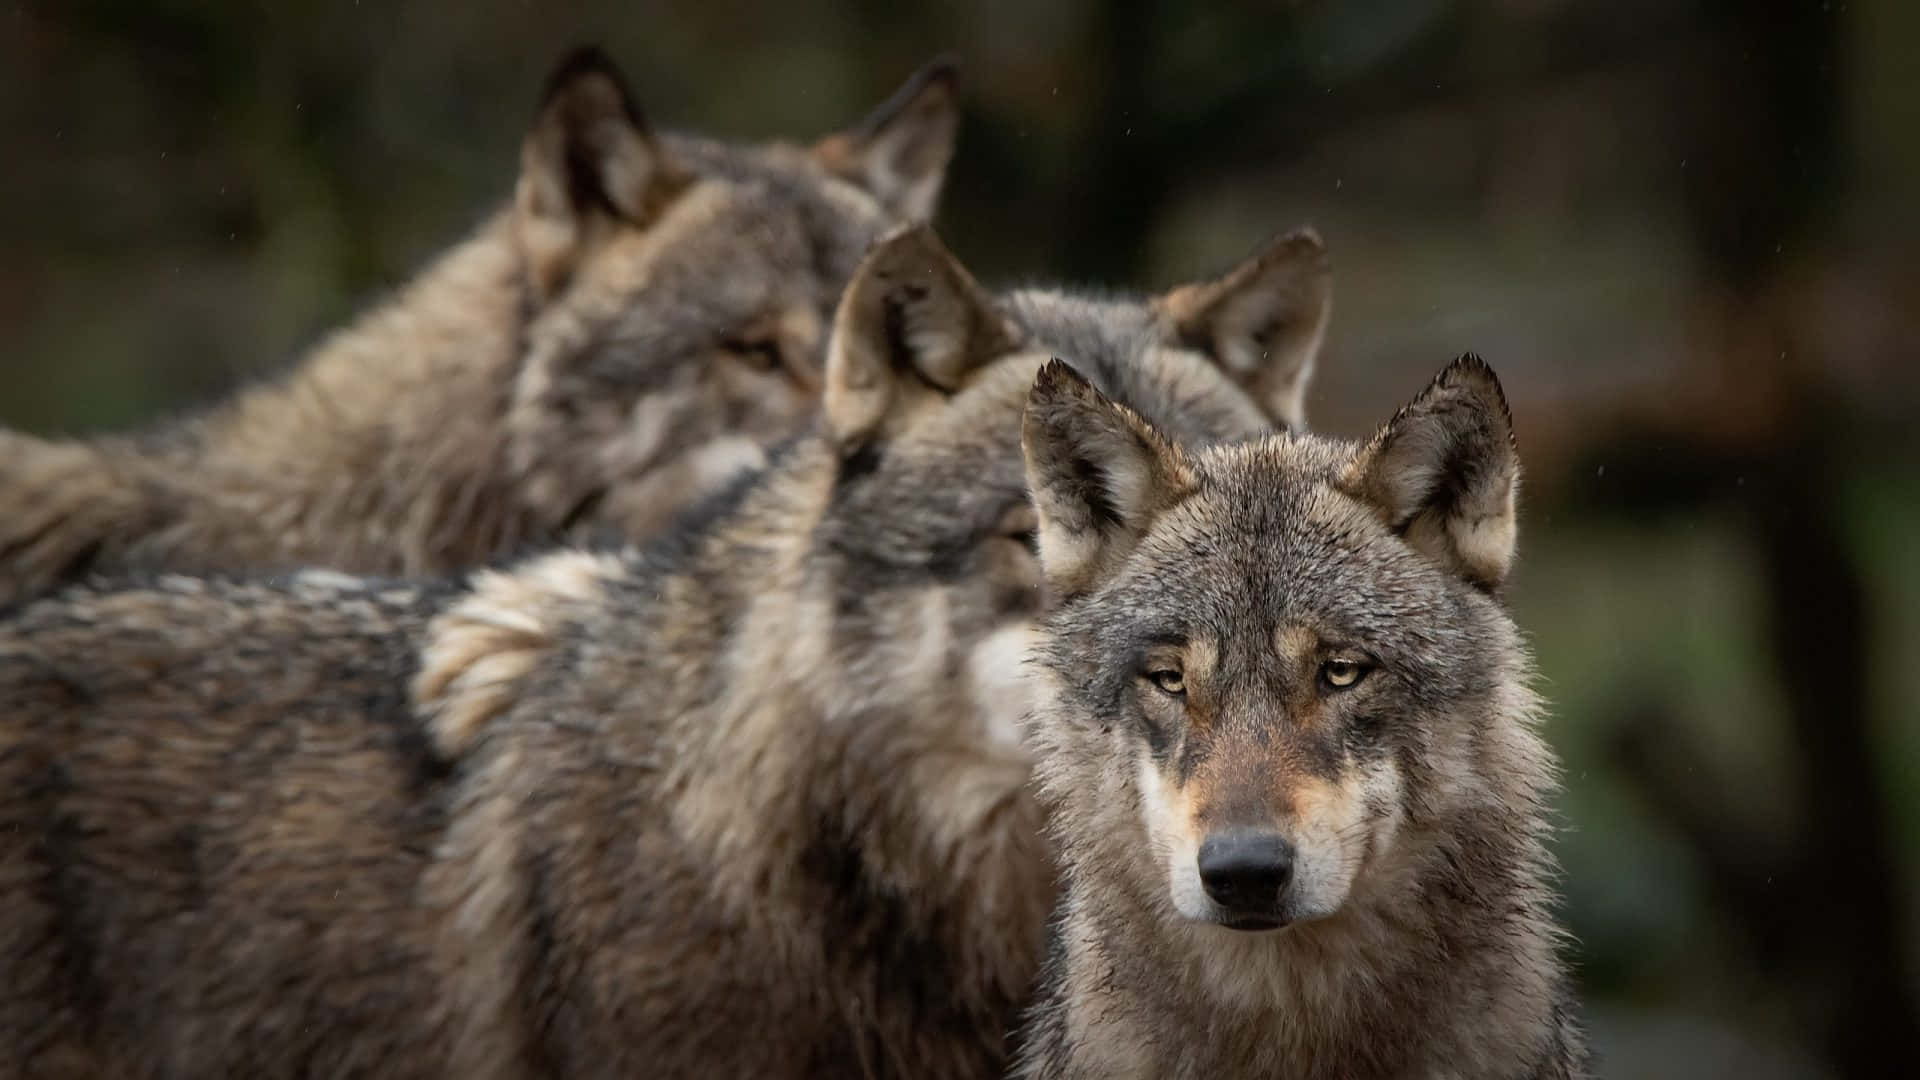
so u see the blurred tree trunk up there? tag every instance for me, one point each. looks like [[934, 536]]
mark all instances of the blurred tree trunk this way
[[1850, 922], [1765, 153]]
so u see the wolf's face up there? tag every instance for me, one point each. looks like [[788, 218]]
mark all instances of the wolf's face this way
[[682, 288], [1272, 653], [930, 529]]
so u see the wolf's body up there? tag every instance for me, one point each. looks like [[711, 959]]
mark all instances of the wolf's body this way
[[1289, 750], [646, 317], [749, 801]]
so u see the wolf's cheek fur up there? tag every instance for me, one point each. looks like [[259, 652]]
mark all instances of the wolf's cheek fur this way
[[1002, 682], [1168, 817], [1338, 827]]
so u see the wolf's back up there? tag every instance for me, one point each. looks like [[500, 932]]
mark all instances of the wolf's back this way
[[213, 815], [62, 504]]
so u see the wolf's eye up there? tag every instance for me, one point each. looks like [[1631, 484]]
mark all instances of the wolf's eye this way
[[1021, 526], [1169, 682], [1342, 672], [761, 355]]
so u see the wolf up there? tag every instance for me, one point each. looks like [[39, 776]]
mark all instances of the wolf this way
[[747, 800], [647, 314], [1284, 734]]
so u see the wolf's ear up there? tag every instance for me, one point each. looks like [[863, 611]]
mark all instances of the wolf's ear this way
[[901, 150], [1443, 473], [1099, 475], [1262, 321], [910, 328], [589, 162]]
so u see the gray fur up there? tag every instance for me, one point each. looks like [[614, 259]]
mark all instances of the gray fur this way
[[1417, 933], [748, 801]]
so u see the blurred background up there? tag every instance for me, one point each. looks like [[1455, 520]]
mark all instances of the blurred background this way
[[1684, 231]]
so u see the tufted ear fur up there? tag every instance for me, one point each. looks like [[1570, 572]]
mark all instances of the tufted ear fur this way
[[588, 164], [1099, 475], [1262, 321], [1443, 473], [901, 150], [910, 328]]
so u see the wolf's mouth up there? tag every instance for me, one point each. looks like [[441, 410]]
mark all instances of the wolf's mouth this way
[[1252, 923]]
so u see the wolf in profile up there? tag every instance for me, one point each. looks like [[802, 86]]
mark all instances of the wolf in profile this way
[[637, 325], [747, 801], [1287, 744]]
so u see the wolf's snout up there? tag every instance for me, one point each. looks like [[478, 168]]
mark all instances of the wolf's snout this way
[[1247, 872]]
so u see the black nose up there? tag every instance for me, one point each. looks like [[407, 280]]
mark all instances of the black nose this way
[[1246, 871]]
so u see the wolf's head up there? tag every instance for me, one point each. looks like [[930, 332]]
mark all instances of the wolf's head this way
[[680, 289], [1275, 662], [929, 532]]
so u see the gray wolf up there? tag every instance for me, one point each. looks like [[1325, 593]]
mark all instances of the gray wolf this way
[[1287, 743], [748, 800], [646, 315]]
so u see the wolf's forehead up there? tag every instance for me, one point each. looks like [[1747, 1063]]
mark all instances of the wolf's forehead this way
[[785, 176], [1098, 337], [981, 424], [1117, 344], [1268, 510], [961, 460], [1279, 466], [724, 253], [1281, 544], [720, 159]]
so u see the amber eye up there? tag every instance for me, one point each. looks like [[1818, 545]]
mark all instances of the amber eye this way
[[1341, 672], [1169, 681], [759, 354]]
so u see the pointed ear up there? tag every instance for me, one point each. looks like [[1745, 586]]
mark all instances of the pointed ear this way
[[1099, 475], [901, 150], [588, 163], [910, 328], [1443, 473], [1262, 321]]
